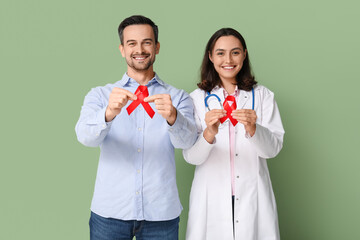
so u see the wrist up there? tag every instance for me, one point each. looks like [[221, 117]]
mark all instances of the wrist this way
[[209, 136], [109, 115], [172, 118]]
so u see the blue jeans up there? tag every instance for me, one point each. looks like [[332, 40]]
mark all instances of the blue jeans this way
[[114, 229]]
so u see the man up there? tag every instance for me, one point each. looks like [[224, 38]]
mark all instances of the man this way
[[137, 122]]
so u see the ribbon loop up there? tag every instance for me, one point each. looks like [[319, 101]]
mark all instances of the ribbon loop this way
[[141, 93], [229, 108]]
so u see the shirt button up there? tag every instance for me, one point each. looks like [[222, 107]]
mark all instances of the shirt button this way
[[138, 171], [97, 134], [139, 150], [137, 193], [103, 125], [139, 129]]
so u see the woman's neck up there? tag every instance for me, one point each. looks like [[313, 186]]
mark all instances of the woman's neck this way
[[229, 86]]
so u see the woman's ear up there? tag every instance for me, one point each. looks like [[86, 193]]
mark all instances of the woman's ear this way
[[210, 57]]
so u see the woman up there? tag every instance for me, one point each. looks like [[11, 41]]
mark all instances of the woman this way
[[231, 195]]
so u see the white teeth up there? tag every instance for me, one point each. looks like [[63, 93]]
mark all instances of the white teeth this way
[[228, 67]]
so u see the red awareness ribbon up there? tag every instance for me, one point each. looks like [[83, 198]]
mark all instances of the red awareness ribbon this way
[[141, 93], [229, 110]]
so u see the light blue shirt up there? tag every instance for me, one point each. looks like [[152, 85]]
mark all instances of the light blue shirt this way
[[136, 177]]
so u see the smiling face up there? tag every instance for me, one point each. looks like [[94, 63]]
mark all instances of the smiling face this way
[[228, 56], [139, 47]]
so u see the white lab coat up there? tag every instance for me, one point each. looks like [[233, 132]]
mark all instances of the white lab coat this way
[[210, 214]]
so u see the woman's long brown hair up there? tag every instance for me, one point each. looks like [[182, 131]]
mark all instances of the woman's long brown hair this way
[[210, 78]]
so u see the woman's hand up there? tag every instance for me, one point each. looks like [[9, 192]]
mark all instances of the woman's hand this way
[[248, 118], [212, 120]]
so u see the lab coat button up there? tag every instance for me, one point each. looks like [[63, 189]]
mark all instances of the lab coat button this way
[[236, 154]]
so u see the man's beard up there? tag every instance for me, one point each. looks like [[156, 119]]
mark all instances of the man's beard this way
[[145, 65]]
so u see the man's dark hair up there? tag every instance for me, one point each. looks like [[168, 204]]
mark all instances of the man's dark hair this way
[[137, 20], [210, 78]]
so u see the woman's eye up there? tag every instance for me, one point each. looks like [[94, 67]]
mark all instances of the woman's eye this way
[[220, 53]]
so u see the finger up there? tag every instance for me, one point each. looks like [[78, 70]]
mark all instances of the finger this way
[[125, 92], [116, 106], [217, 111], [213, 122], [211, 113], [216, 118], [159, 101], [247, 111], [244, 114], [246, 120], [129, 94], [156, 96]]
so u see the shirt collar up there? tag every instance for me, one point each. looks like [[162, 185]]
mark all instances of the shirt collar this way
[[235, 94], [126, 80]]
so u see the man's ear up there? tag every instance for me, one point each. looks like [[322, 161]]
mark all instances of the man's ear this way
[[121, 48], [157, 50]]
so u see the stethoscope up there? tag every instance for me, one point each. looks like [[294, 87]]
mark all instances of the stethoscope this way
[[216, 96]]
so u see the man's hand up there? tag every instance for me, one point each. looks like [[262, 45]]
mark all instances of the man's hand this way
[[117, 100], [164, 106], [248, 118]]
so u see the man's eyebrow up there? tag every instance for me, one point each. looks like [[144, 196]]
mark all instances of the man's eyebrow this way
[[130, 41], [148, 39]]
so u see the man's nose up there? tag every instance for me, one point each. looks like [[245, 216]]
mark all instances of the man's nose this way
[[139, 48]]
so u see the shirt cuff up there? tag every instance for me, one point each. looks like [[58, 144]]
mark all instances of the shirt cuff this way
[[100, 119], [180, 121]]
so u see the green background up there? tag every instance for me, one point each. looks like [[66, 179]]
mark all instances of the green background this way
[[53, 52]]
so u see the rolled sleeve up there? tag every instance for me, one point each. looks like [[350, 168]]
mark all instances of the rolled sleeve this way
[[183, 132], [91, 128]]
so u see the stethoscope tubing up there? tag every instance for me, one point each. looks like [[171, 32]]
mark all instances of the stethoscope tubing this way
[[214, 95]]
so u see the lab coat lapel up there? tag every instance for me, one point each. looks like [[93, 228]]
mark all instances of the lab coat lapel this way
[[243, 98]]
